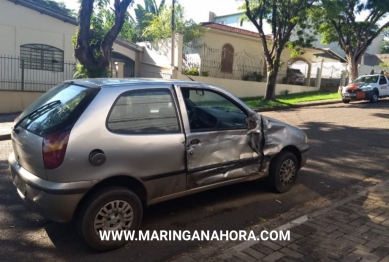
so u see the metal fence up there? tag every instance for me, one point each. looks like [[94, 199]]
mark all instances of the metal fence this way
[[16, 76], [203, 60]]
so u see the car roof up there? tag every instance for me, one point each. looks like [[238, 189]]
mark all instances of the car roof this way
[[111, 82]]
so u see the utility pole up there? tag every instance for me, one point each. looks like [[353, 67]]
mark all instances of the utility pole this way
[[173, 35]]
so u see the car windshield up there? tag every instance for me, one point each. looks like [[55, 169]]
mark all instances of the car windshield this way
[[57, 109], [366, 79]]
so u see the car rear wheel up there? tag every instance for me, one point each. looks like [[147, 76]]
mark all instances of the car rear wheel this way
[[110, 209], [283, 172], [346, 101], [374, 98]]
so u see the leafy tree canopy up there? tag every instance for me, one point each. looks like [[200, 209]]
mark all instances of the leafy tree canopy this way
[[336, 21], [56, 6], [160, 25]]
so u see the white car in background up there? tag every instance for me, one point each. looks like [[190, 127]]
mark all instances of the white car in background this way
[[367, 87]]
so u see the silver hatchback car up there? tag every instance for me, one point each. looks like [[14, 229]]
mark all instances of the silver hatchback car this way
[[100, 150]]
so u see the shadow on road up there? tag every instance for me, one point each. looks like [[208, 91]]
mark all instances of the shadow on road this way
[[339, 156]]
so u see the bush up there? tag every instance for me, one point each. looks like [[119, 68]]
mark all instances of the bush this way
[[205, 73], [285, 92], [253, 76], [192, 72]]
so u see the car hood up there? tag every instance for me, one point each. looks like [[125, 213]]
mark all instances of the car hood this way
[[354, 86]]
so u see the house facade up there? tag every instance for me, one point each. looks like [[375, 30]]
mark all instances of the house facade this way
[[36, 45], [233, 21]]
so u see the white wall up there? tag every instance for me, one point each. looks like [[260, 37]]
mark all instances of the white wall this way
[[247, 88]]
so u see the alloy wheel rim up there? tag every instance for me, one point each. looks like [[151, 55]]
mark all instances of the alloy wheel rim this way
[[115, 215], [287, 172]]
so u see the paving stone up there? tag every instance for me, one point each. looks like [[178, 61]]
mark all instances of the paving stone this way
[[385, 223], [289, 259], [385, 259], [273, 257], [299, 232], [294, 246], [381, 218], [283, 243], [327, 259], [376, 212], [345, 209], [307, 249], [262, 249], [313, 225], [319, 222], [373, 244], [335, 234], [365, 248], [350, 258], [381, 232], [310, 258], [370, 224], [358, 222], [254, 253], [305, 228], [355, 239], [366, 255], [325, 219], [244, 257], [233, 259], [271, 245], [296, 235], [291, 253], [330, 228], [381, 252]]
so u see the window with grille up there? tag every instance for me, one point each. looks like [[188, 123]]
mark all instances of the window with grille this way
[[227, 58], [41, 57]]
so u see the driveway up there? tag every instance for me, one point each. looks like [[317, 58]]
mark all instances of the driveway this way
[[348, 144]]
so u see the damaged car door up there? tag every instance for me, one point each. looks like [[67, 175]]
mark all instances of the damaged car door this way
[[218, 138]]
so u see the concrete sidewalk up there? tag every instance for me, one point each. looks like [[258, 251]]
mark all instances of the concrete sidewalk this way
[[6, 121], [353, 229]]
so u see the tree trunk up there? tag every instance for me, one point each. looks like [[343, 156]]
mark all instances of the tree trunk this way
[[270, 93], [352, 69]]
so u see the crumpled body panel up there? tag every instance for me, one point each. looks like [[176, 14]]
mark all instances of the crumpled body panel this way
[[225, 155]]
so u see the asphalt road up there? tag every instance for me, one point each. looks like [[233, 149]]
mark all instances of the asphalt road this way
[[348, 143]]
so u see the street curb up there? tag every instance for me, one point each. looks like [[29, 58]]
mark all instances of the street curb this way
[[5, 137], [326, 102]]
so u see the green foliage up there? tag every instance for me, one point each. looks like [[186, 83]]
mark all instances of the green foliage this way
[[385, 43], [205, 73], [83, 72], [336, 21], [192, 71], [160, 25], [383, 64], [290, 29], [285, 92], [253, 76], [144, 15]]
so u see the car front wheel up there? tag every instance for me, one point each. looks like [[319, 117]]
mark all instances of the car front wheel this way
[[110, 209], [283, 172], [374, 98], [346, 101]]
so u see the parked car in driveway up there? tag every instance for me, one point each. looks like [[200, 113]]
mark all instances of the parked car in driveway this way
[[294, 77], [367, 87], [99, 150]]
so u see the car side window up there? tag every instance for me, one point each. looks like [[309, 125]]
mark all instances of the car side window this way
[[383, 80], [210, 110], [144, 112]]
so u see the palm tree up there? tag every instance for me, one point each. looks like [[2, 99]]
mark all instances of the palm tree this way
[[144, 15]]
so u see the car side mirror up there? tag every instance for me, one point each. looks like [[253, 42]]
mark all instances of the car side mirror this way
[[200, 92]]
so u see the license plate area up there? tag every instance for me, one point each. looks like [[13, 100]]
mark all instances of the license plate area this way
[[360, 95], [349, 94], [20, 184]]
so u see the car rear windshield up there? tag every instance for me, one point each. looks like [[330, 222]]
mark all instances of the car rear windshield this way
[[57, 110]]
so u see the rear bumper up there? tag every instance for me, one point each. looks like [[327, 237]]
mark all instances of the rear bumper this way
[[354, 96], [54, 201]]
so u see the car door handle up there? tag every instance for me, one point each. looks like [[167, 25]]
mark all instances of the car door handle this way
[[195, 142]]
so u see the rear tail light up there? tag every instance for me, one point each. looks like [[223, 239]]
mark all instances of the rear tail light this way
[[54, 149]]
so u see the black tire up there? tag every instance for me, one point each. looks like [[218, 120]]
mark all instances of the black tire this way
[[374, 97], [94, 203], [346, 101], [276, 164]]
